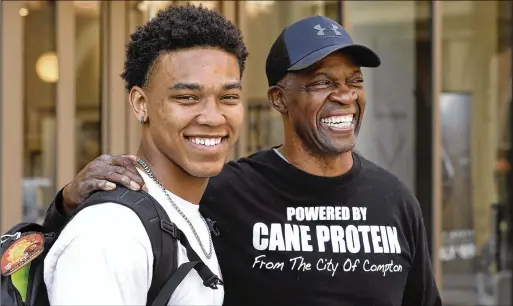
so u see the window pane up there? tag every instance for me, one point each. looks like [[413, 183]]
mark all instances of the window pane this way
[[399, 32], [263, 23], [213, 5], [150, 8], [40, 77], [476, 117], [88, 91]]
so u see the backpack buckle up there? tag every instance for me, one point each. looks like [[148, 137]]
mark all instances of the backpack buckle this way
[[169, 228], [212, 282], [213, 227]]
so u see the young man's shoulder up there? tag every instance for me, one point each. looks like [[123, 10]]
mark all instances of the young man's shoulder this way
[[103, 255], [104, 217], [102, 227]]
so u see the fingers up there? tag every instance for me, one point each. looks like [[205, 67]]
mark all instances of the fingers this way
[[104, 185], [126, 162], [123, 177], [106, 171], [84, 190], [91, 185], [133, 158]]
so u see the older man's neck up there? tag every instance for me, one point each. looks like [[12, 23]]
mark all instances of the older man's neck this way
[[311, 163]]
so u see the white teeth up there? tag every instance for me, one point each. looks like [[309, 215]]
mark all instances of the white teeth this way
[[342, 125], [205, 141], [341, 122], [338, 119]]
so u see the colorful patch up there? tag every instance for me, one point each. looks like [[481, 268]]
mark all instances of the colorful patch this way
[[21, 252]]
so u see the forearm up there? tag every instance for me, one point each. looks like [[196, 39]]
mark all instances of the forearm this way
[[56, 215]]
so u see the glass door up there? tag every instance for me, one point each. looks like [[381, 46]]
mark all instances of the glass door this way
[[475, 106]]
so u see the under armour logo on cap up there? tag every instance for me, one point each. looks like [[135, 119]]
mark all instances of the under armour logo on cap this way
[[294, 51], [321, 30]]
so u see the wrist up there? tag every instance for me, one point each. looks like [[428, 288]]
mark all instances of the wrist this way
[[68, 204]]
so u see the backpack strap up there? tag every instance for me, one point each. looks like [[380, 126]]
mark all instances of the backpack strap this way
[[209, 279], [173, 282], [160, 230]]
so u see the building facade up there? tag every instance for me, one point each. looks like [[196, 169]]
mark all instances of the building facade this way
[[439, 111]]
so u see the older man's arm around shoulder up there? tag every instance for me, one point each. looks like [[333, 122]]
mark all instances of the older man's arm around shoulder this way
[[421, 288], [102, 257]]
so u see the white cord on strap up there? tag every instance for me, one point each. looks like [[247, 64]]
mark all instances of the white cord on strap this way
[[4, 238]]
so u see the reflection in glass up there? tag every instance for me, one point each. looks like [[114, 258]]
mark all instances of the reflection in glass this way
[[399, 32], [263, 23], [476, 63], [40, 77], [88, 92]]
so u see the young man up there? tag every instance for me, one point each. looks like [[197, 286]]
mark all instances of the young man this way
[[183, 75], [310, 222]]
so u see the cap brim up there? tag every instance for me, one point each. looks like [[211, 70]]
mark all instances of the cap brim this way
[[364, 56]]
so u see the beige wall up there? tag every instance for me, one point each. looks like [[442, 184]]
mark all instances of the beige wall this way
[[38, 116], [11, 115]]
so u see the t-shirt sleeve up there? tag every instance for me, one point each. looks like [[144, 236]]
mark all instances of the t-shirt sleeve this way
[[56, 218], [421, 288], [101, 258]]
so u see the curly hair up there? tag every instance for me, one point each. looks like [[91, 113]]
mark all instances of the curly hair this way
[[177, 28]]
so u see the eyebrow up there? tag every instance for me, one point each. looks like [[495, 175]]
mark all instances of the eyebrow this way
[[325, 74], [236, 85], [196, 86], [331, 76], [186, 86]]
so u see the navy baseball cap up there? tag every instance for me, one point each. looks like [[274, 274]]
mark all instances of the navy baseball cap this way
[[308, 41]]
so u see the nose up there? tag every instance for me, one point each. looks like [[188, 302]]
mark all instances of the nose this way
[[211, 114], [345, 97]]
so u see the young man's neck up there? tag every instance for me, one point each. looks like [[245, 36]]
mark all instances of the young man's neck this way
[[171, 176], [328, 166]]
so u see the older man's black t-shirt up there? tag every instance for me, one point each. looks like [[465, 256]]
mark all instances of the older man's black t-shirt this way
[[292, 238]]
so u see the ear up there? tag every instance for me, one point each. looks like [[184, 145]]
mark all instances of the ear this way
[[139, 102], [275, 95]]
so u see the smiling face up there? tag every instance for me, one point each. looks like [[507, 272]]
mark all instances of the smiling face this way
[[325, 104], [193, 108]]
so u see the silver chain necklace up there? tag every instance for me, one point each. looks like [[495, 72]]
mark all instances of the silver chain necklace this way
[[152, 176]]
